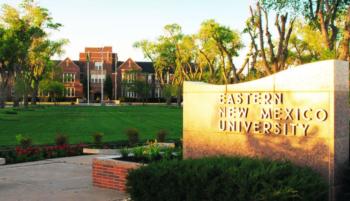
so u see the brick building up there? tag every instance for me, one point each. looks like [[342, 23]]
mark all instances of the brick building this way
[[71, 79], [102, 62], [129, 71]]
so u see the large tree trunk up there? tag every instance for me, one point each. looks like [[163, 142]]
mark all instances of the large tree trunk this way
[[168, 100], [2, 96], [179, 95], [35, 92], [25, 100], [323, 29], [261, 41], [233, 68], [344, 46], [16, 101]]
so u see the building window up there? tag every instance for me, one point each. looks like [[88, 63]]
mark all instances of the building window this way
[[99, 65], [157, 92], [68, 77], [70, 92], [150, 78]]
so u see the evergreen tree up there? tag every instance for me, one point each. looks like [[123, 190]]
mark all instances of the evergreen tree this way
[[108, 87]]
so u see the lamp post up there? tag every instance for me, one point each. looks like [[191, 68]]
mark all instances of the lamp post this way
[[115, 78], [88, 78], [102, 79]]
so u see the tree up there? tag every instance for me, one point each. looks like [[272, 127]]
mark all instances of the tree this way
[[40, 61], [322, 15], [15, 39], [53, 88], [108, 87], [141, 88], [152, 51], [166, 55], [22, 87], [172, 37], [274, 56], [227, 42], [25, 49], [206, 56], [305, 45], [137, 84], [168, 92]]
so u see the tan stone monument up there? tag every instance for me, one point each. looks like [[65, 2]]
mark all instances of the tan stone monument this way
[[300, 114]]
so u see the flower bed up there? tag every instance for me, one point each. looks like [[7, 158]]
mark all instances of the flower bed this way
[[33, 153], [111, 172]]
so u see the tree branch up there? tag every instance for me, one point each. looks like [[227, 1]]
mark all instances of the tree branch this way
[[269, 41], [246, 60], [311, 10], [261, 37], [344, 45], [323, 25], [281, 42]]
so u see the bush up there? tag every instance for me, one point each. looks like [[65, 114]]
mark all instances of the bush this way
[[124, 152], [345, 196], [61, 139], [24, 141], [133, 136], [161, 135], [11, 112], [225, 179], [97, 138]]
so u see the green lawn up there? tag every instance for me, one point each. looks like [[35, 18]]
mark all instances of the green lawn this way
[[42, 123]]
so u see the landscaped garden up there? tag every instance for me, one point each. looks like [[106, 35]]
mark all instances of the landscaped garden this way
[[43, 123]]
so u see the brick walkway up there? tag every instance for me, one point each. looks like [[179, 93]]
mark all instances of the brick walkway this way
[[55, 180]]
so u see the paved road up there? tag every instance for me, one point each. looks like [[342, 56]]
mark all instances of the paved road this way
[[53, 180]]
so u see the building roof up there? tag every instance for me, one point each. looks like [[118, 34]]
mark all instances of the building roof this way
[[69, 60], [129, 64], [145, 66]]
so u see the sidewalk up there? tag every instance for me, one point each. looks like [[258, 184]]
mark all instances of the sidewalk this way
[[55, 180]]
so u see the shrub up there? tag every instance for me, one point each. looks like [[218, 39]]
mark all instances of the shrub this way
[[61, 139], [24, 141], [345, 196], [11, 112], [124, 152], [225, 179], [152, 151], [161, 135], [138, 152], [133, 136], [97, 138]]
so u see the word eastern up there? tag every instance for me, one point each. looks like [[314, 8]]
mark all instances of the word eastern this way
[[257, 98]]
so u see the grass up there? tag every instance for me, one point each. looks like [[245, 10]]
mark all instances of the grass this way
[[79, 123]]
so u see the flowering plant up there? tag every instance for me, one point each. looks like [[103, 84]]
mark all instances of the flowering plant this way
[[37, 153]]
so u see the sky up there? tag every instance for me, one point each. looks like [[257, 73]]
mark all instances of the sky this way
[[120, 23]]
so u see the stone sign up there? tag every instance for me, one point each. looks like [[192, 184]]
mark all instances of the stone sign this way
[[300, 114]]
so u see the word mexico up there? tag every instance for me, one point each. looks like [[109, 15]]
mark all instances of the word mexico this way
[[265, 113]]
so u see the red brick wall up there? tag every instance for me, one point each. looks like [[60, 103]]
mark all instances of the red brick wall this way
[[109, 173]]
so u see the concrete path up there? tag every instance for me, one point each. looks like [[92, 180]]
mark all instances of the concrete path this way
[[53, 180]]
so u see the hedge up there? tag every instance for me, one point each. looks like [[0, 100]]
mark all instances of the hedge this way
[[224, 178]]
